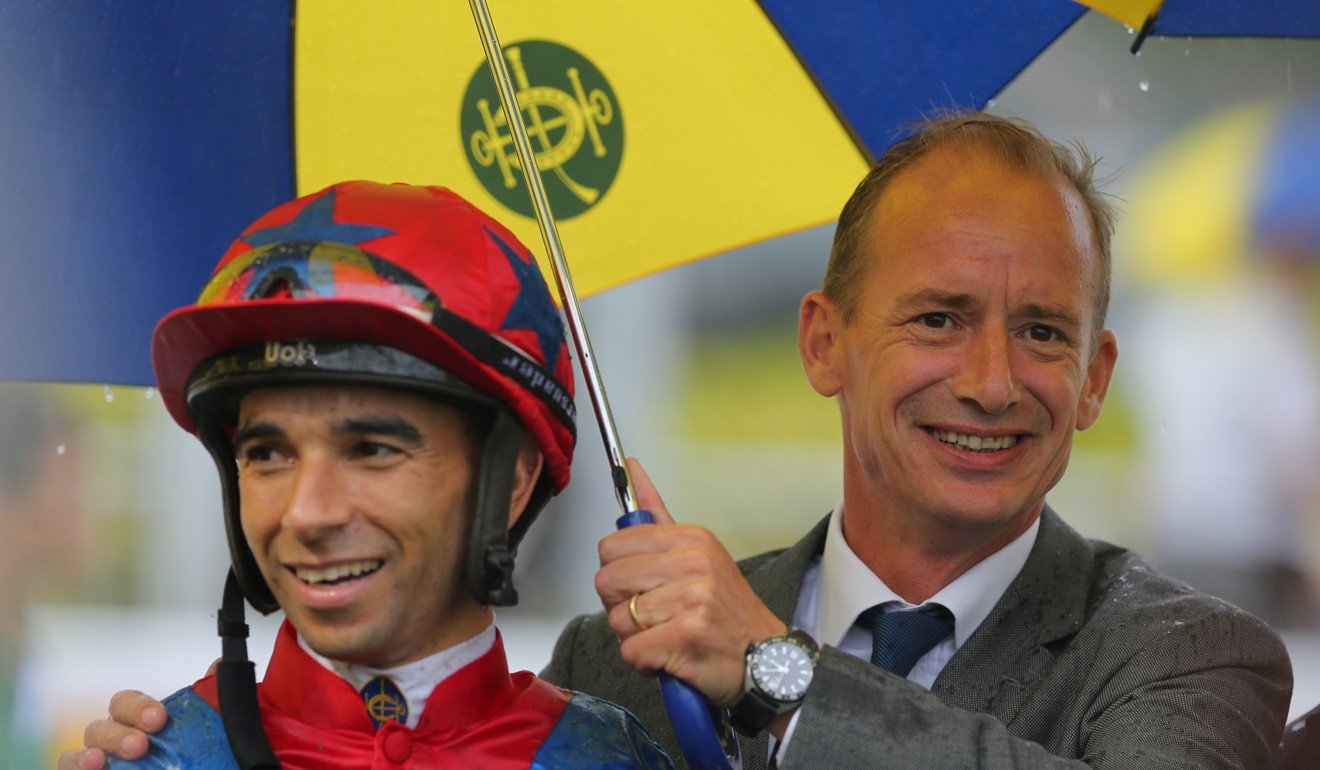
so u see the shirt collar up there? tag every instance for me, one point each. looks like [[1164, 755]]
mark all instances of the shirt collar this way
[[299, 688], [417, 679], [848, 587]]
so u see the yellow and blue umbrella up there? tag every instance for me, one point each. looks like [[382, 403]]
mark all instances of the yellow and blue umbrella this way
[[1237, 187], [138, 137]]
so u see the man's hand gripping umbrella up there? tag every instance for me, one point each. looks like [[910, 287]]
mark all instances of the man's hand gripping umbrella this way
[[707, 740]]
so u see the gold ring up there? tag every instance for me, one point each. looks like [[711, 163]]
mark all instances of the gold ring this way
[[632, 611]]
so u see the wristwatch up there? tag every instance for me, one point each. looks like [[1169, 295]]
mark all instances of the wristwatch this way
[[775, 681]]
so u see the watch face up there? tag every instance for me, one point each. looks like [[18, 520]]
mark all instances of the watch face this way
[[782, 670]]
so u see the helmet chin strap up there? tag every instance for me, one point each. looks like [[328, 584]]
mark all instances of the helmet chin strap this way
[[490, 554], [244, 573], [236, 685]]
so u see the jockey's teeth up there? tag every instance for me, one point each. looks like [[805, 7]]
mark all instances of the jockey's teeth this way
[[975, 443], [337, 571]]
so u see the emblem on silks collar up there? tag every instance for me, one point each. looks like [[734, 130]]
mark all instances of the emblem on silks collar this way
[[573, 122], [384, 701]]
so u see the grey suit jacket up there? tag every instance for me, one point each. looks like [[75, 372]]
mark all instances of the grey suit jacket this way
[[1091, 658]]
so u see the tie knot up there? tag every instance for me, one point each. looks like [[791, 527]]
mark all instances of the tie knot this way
[[899, 638], [384, 701]]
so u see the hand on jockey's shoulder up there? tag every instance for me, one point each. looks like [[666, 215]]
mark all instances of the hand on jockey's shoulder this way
[[133, 716]]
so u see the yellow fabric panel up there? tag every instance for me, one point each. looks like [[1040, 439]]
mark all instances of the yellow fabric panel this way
[[725, 139], [1188, 209], [1131, 12]]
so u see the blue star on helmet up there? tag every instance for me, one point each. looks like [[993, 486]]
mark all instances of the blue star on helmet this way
[[316, 222], [532, 308]]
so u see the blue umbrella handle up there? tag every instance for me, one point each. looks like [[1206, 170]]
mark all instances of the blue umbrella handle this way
[[706, 745]]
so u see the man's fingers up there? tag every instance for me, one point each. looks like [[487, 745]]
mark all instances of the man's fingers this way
[[124, 735], [635, 615], [648, 539], [657, 606], [115, 739], [82, 759], [131, 708], [619, 579], [647, 496], [668, 648]]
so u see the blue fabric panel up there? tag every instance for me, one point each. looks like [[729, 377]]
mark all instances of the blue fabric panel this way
[[136, 140], [193, 739], [596, 734], [1239, 18], [885, 62], [1284, 212]]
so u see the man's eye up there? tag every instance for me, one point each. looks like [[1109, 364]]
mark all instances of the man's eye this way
[[370, 450], [1040, 333], [934, 320], [259, 453]]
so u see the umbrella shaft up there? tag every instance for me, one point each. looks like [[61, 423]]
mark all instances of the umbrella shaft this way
[[623, 486]]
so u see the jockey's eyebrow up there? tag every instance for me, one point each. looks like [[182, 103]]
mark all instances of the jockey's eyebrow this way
[[256, 430], [382, 425]]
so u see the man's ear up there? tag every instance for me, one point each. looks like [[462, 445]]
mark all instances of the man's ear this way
[[1099, 372], [820, 325], [525, 474]]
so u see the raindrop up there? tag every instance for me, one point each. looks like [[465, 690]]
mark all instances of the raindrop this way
[[1164, 427], [1131, 30], [150, 393], [1187, 52], [1137, 54], [109, 395], [59, 450], [990, 105], [1145, 86]]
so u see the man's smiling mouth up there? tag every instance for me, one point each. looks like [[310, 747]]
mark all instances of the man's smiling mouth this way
[[337, 573], [972, 443]]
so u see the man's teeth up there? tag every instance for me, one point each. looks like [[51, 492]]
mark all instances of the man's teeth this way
[[337, 572], [975, 443]]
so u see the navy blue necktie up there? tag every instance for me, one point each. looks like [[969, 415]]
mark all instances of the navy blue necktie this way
[[901, 637]]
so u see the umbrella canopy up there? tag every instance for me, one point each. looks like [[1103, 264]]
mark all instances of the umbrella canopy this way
[[1239, 186], [140, 137]]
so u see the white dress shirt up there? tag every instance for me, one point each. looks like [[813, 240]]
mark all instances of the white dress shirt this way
[[417, 679], [838, 587]]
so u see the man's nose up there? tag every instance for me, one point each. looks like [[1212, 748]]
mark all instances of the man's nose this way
[[987, 378], [317, 504]]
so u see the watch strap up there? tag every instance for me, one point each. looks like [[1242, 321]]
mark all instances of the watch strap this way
[[752, 713]]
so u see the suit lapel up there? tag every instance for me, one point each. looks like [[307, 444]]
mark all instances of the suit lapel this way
[[1000, 665], [777, 577]]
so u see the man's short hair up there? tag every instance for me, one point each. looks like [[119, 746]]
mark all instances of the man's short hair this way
[[1014, 142]]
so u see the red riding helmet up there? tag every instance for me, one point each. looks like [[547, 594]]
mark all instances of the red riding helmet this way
[[394, 286]]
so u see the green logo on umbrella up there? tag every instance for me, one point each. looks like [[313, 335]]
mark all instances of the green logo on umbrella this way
[[573, 122]]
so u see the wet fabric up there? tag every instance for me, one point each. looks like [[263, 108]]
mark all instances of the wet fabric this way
[[1091, 658], [481, 716]]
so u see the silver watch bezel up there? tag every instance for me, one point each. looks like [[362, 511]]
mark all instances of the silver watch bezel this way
[[750, 683]]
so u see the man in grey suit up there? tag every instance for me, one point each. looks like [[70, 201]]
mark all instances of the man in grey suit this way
[[943, 615], [961, 330]]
